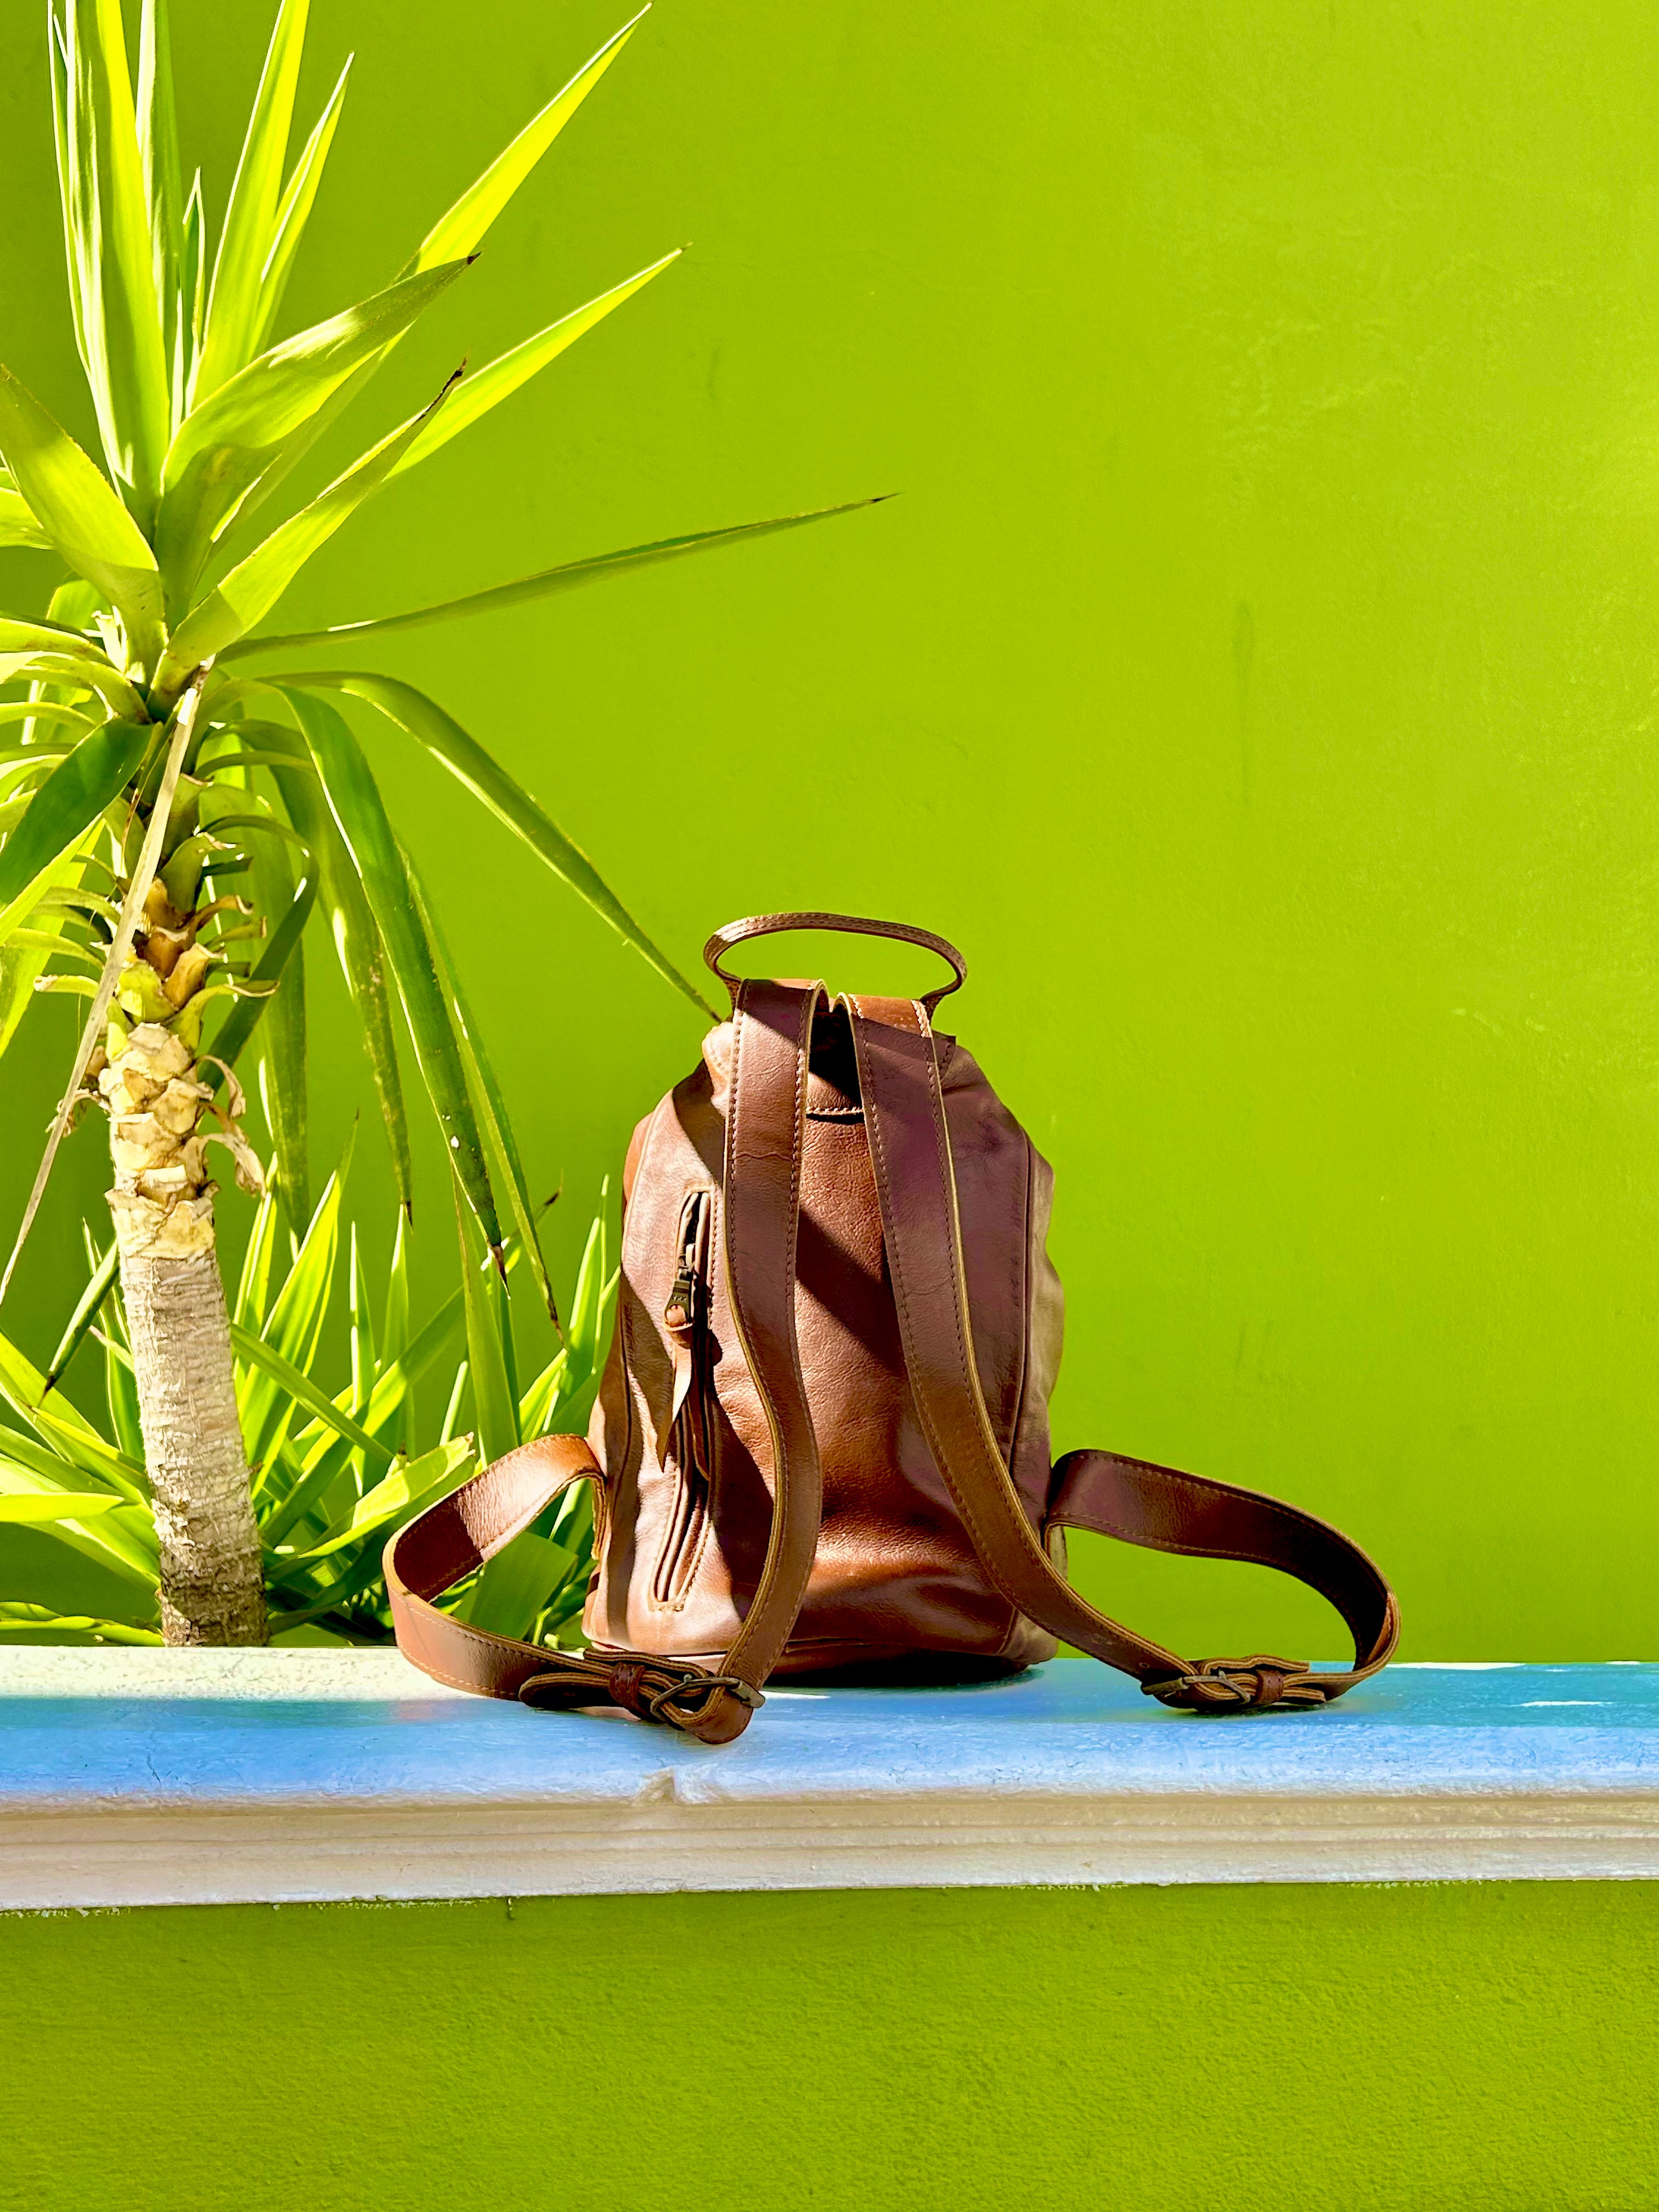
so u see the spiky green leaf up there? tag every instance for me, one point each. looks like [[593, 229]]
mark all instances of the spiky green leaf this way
[[259, 417], [87, 1308], [488, 1099], [20, 637], [394, 1333], [22, 964], [246, 242], [284, 1085], [133, 364], [164, 193], [253, 1284], [254, 1352], [73, 503], [516, 1584], [460, 230], [359, 812], [401, 1491], [356, 939], [489, 1324], [48, 713], [498, 379], [74, 173], [485, 777], [281, 950], [545, 583], [293, 212], [120, 1385], [192, 298], [292, 1330], [18, 525], [256, 584], [39, 1624], [65, 806], [64, 1431], [55, 1506], [67, 673]]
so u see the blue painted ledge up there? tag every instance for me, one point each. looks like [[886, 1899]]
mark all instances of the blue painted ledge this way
[[153, 1777]]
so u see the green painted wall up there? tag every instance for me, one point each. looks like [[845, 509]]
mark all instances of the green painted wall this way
[[1255, 676], [1271, 2050]]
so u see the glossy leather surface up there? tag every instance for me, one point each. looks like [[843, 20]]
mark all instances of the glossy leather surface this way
[[894, 1570]]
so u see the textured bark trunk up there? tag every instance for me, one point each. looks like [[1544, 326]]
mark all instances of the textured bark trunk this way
[[212, 1579], [212, 1589]]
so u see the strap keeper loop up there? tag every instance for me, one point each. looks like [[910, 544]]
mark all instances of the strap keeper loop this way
[[659, 1704], [1252, 1685]]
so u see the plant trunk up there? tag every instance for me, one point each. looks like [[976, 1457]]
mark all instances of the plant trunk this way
[[212, 1580], [212, 1586]]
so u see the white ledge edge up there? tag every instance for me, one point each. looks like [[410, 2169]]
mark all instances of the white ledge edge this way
[[155, 1780], [313, 1856]]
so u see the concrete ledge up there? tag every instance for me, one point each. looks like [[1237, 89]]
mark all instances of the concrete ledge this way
[[153, 1777]]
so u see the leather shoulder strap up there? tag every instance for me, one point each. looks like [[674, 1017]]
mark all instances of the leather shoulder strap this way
[[765, 1137], [431, 1552], [915, 1182], [765, 1129]]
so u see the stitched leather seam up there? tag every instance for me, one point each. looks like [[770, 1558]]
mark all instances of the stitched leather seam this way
[[934, 1440], [802, 1061], [1025, 1307], [482, 1639], [1155, 1652], [1187, 1551], [455, 1681], [1024, 1349], [478, 1640], [799, 1411], [879, 1152], [744, 1643], [625, 1326], [941, 1143], [1293, 1515], [740, 1020]]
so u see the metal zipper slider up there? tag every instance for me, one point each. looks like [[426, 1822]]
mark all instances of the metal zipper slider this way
[[677, 1314]]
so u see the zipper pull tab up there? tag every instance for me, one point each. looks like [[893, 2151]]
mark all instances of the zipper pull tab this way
[[677, 1313], [681, 1311]]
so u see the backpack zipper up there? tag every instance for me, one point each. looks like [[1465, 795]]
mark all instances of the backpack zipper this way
[[685, 1319]]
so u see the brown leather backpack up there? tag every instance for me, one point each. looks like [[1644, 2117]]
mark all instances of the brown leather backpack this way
[[821, 1449]]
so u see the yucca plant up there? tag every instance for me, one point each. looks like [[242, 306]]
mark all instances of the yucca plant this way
[[175, 818], [335, 1472]]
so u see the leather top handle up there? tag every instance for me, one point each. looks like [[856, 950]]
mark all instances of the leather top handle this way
[[909, 1142], [770, 925]]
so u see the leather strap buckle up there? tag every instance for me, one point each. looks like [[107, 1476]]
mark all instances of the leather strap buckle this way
[[662, 1690], [1252, 1685], [660, 1703]]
